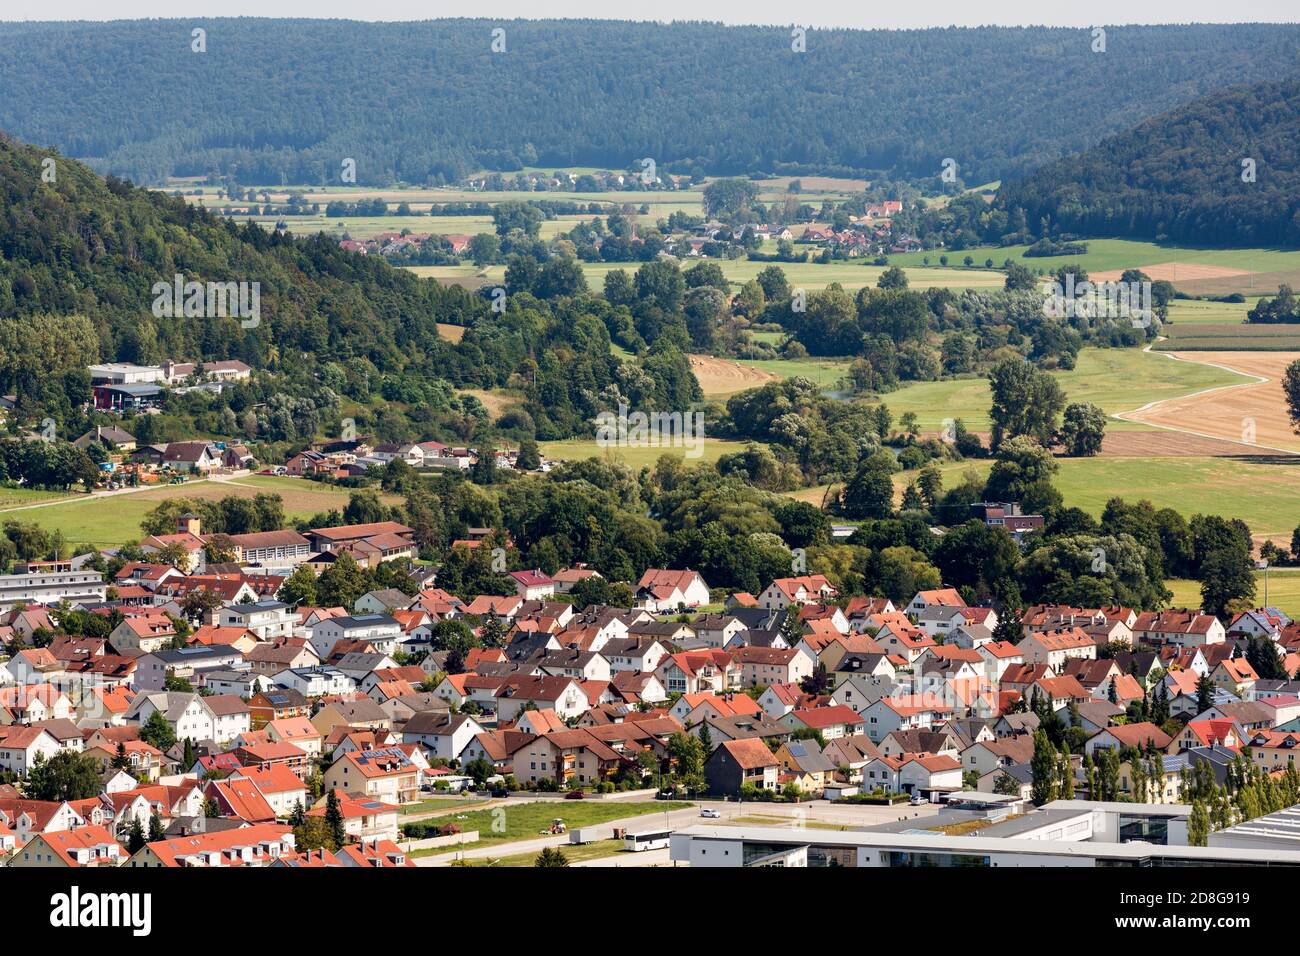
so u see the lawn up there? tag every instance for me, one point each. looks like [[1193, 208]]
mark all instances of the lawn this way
[[1115, 379], [510, 821], [441, 804], [574, 853]]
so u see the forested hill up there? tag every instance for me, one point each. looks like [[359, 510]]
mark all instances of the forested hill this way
[[1181, 176], [85, 246], [285, 101]]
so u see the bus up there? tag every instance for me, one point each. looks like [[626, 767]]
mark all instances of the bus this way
[[649, 840]]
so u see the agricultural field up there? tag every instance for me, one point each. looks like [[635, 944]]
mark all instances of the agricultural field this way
[[851, 274], [1252, 411], [114, 520], [1283, 591], [721, 378], [1229, 336], [1194, 270], [639, 456], [1115, 379], [19, 497], [1265, 493]]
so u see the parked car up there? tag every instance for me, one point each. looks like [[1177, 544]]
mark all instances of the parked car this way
[[575, 795], [917, 800], [711, 813]]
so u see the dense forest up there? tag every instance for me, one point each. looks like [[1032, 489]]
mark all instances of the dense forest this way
[[79, 257], [1223, 170], [286, 101]]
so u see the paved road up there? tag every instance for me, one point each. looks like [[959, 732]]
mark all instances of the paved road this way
[[817, 811]]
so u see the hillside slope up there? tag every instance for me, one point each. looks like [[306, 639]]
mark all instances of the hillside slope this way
[[286, 101], [88, 246], [1180, 176]]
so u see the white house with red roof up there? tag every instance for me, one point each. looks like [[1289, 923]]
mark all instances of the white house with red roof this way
[[693, 671], [831, 722], [22, 747], [902, 712], [1260, 622], [903, 639], [929, 774], [1180, 627], [533, 585], [661, 590], [86, 846], [807, 589], [948, 597], [1055, 647]]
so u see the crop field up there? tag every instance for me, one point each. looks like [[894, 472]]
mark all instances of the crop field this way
[[1252, 412], [1229, 336], [18, 497], [1245, 267], [1193, 312], [720, 378], [1114, 379], [851, 275]]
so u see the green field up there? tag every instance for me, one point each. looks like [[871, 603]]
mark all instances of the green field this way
[[1262, 492], [853, 274], [1283, 591], [636, 457], [1115, 379], [1106, 254], [1184, 312], [115, 520], [441, 805], [510, 821]]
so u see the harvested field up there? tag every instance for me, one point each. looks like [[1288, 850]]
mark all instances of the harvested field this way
[[722, 377], [452, 333], [1166, 444], [1252, 283], [1253, 413], [1175, 272]]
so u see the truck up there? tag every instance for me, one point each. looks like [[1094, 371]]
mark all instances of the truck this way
[[580, 835]]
